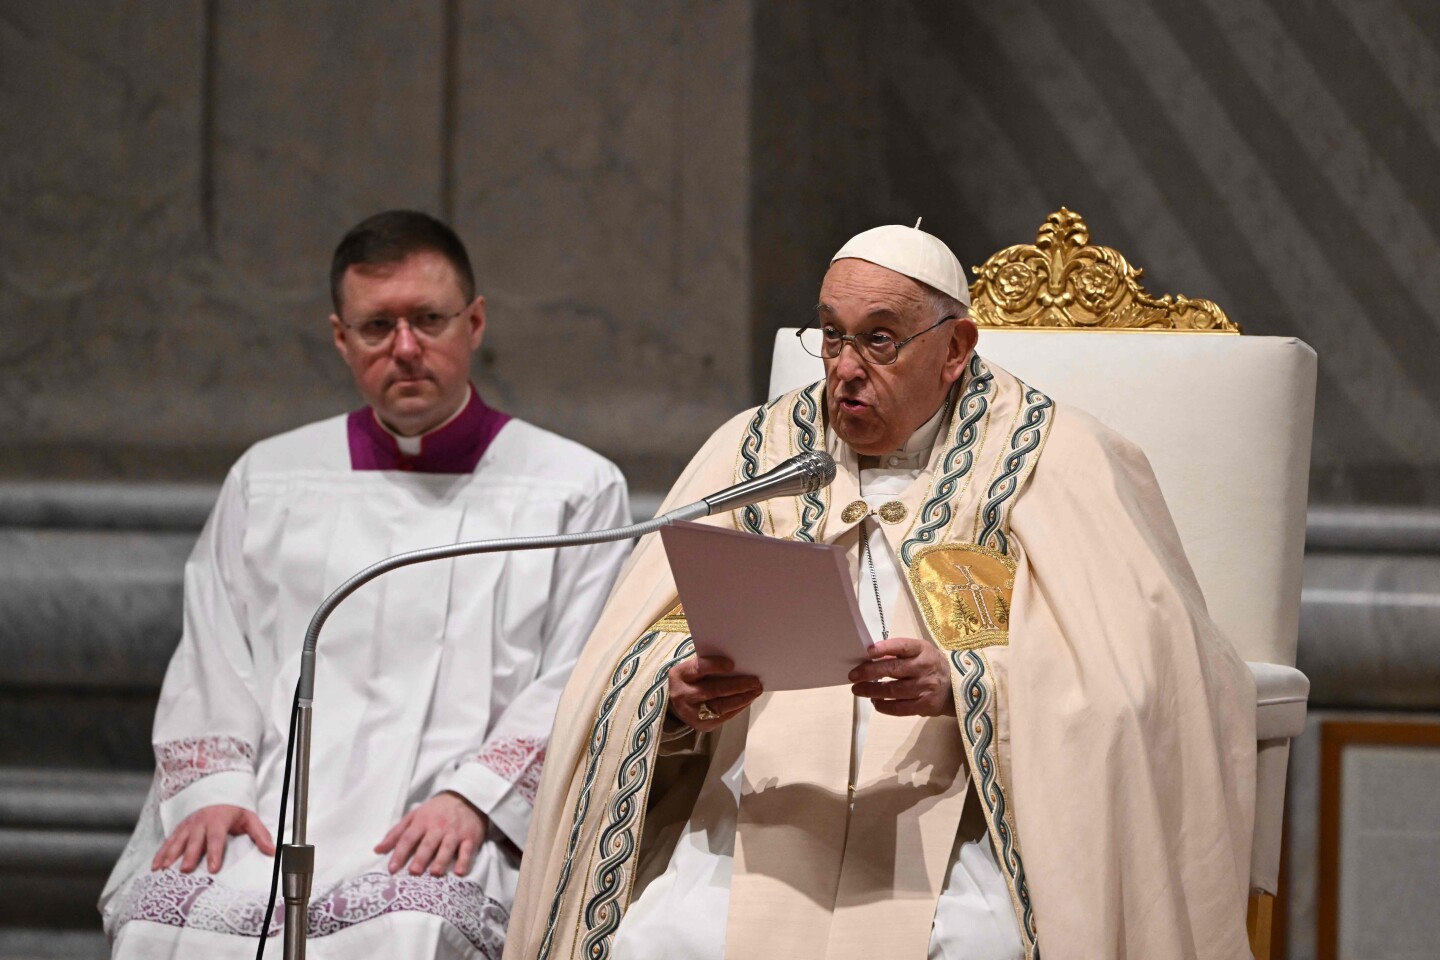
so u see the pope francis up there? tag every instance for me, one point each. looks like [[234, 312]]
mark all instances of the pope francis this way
[[1051, 748]]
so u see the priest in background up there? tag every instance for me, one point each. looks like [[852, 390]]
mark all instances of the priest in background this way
[[436, 685], [1050, 750]]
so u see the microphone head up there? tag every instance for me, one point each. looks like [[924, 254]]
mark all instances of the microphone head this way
[[817, 467], [798, 475]]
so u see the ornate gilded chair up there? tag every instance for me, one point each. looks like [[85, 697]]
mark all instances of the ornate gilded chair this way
[[1225, 421]]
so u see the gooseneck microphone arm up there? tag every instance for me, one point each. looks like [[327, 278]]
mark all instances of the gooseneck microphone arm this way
[[805, 473], [801, 474]]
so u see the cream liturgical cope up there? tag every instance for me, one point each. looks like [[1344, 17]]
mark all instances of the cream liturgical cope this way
[[440, 676], [1104, 727]]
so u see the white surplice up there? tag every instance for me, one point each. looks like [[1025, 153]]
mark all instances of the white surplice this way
[[440, 676], [682, 913]]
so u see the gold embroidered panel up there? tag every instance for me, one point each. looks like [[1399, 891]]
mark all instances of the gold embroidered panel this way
[[672, 622], [1062, 282], [963, 590]]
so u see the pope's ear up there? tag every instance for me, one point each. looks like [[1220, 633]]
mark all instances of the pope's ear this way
[[962, 343]]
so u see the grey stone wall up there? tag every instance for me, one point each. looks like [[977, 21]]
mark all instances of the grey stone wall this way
[[651, 189], [1276, 156], [174, 176], [602, 164]]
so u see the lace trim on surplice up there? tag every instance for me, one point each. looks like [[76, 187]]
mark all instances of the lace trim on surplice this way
[[197, 902], [179, 763], [518, 760]]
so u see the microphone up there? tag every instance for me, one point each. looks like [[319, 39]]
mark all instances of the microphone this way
[[801, 474]]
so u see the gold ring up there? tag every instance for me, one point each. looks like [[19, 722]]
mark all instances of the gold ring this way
[[704, 712]]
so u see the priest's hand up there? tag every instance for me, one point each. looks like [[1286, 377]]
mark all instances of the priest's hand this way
[[443, 830], [705, 692], [905, 677], [205, 831]]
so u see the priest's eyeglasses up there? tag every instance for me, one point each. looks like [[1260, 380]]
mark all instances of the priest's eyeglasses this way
[[880, 349], [377, 330]]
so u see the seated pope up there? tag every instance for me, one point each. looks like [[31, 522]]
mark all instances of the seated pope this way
[[1049, 748], [436, 684]]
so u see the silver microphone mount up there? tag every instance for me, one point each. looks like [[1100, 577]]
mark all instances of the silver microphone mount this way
[[805, 473]]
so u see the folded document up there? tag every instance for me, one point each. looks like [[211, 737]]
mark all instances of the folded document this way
[[782, 610]]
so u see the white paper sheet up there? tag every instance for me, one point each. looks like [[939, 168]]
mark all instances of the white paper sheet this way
[[782, 610]]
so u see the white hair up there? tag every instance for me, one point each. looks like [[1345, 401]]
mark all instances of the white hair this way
[[944, 304]]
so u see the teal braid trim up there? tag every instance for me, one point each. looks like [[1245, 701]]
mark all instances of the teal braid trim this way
[[978, 728], [805, 414], [599, 736], [618, 841], [1024, 442], [752, 517], [936, 512]]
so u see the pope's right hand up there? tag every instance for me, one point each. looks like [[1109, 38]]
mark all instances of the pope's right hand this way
[[710, 682], [205, 831]]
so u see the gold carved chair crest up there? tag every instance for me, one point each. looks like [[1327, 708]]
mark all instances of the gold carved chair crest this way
[[1063, 282]]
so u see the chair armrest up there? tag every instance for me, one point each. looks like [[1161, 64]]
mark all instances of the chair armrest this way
[[1280, 699], [1281, 694]]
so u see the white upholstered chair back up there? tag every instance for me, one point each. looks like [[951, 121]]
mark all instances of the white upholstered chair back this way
[[1225, 421]]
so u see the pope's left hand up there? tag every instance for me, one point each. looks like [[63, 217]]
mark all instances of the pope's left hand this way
[[443, 830], [905, 677]]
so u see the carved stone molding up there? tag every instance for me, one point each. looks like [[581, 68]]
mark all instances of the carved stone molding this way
[[1061, 282]]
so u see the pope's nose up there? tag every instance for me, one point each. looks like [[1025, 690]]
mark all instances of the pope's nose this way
[[848, 365]]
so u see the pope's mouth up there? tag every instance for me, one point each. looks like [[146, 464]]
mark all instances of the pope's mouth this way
[[851, 405]]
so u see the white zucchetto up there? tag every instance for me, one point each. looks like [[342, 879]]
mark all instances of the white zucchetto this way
[[912, 252]]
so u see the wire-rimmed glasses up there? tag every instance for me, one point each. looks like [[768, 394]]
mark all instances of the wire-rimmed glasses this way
[[377, 330], [880, 349]]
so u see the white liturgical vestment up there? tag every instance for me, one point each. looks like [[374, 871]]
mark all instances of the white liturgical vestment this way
[[1043, 562], [442, 676], [682, 914]]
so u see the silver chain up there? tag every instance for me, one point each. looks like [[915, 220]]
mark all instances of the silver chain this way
[[874, 580]]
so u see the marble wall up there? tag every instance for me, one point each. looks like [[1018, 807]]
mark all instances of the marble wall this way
[[173, 179], [1276, 156], [649, 190]]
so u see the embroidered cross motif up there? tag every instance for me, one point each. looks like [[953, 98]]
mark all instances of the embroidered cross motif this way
[[963, 590], [976, 615]]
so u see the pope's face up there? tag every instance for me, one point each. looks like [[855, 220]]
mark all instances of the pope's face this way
[[412, 381], [875, 408]]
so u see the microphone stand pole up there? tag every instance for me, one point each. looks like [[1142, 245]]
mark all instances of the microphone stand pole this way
[[800, 474], [297, 858]]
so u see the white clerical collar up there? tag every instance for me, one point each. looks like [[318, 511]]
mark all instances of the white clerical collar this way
[[886, 477], [915, 452], [410, 446]]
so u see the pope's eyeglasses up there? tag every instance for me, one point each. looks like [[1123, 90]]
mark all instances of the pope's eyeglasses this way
[[426, 326], [880, 349]]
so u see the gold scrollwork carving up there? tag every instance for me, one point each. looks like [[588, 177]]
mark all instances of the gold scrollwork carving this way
[[1062, 282]]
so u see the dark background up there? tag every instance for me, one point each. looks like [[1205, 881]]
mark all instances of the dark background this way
[[650, 189]]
